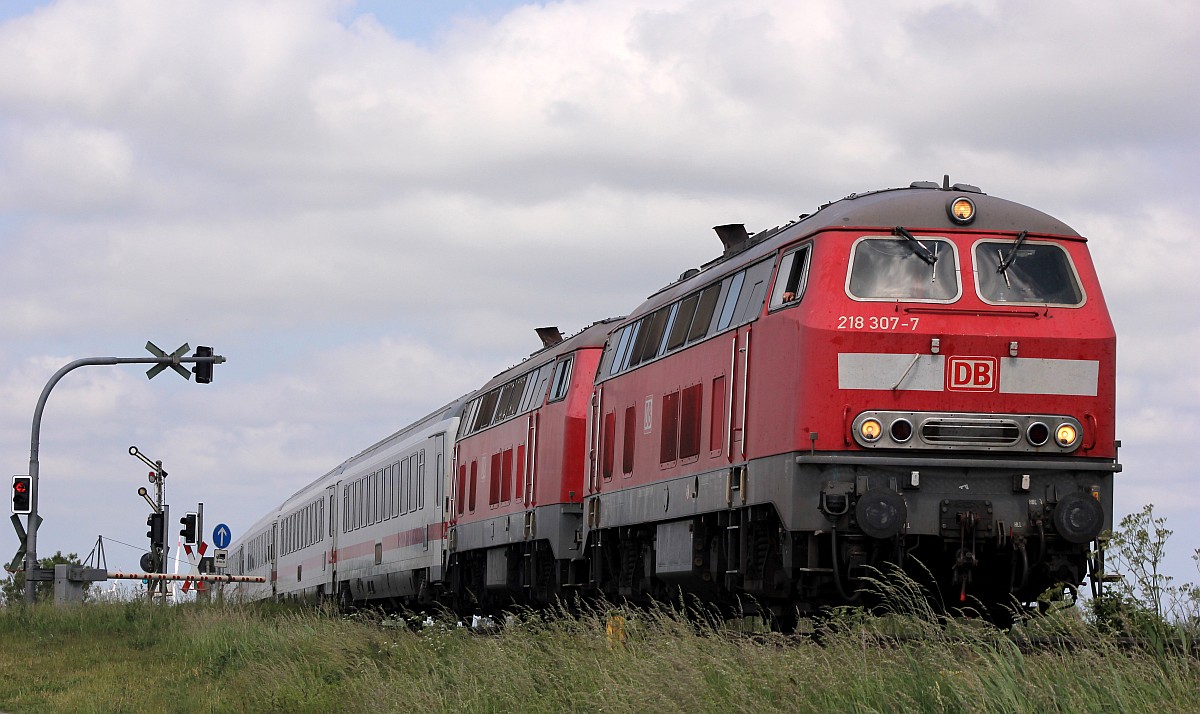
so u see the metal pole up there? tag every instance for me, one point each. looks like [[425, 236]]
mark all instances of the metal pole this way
[[31, 561], [201, 595]]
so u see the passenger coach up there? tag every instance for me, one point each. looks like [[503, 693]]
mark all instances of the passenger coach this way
[[371, 529]]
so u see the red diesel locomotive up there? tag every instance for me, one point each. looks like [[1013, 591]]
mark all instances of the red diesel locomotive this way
[[923, 373], [909, 375]]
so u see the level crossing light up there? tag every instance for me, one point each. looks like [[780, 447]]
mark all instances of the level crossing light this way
[[22, 490], [189, 529]]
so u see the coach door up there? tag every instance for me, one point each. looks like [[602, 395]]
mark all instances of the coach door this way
[[329, 555], [443, 480], [273, 556]]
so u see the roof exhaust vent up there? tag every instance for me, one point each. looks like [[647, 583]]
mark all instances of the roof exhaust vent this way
[[733, 236], [551, 336]]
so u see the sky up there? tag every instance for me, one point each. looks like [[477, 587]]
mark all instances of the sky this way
[[367, 207]]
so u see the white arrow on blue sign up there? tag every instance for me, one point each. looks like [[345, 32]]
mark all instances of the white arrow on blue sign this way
[[221, 535]]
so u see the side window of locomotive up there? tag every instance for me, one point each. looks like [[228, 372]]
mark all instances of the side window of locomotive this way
[[468, 417], [1039, 273], [792, 278], [683, 322], [624, 354], [562, 380], [731, 297], [510, 397], [487, 409], [535, 388], [650, 337], [925, 270], [622, 349], [704, 312], [753, 292]]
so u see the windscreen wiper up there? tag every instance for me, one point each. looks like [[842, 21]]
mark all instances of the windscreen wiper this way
[[1011, 257], [921, 251]]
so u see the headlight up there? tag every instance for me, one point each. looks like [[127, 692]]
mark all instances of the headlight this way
[[961, 210], [870, 429], [901, 430], [1066, 435]]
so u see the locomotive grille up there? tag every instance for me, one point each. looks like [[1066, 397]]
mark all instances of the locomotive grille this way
[[960, 431]]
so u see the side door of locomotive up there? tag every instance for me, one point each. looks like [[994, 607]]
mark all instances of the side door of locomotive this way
[[741, 304]]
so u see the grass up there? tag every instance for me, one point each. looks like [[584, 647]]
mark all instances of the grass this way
[[139, 657]]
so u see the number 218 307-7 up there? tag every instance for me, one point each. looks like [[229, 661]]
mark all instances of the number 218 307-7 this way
[[874, 322]]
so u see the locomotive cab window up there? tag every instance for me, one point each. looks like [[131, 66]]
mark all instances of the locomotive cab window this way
[[920, 270], [562, 380], [793, 275], [1026, 272]]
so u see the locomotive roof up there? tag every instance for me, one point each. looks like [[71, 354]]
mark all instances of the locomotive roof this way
[[593, 335], [922, 206]]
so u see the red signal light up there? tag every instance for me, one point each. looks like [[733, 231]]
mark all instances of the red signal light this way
[[22, 494]]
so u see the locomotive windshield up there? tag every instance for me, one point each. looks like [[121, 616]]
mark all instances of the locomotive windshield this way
[[1035, 273], [891, 269]]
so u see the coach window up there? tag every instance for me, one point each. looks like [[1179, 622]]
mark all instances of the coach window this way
[[420, 481], [792, 278], [562, 380], [1026, 272], [919, 270], [394, 474], [385, 503], [413, 477]]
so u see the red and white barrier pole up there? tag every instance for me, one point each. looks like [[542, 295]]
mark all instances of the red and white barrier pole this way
[[172, 576]]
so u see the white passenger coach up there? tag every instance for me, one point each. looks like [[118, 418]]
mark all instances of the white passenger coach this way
[[371, 529]]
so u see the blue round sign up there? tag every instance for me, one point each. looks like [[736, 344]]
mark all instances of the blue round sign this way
[[221, 535]]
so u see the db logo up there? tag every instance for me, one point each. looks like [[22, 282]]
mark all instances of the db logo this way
[[972, 374]]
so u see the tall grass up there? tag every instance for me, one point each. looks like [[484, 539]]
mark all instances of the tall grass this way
[[903, 657]]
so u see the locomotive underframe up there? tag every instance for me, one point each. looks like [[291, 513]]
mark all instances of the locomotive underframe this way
[[784, 529]]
